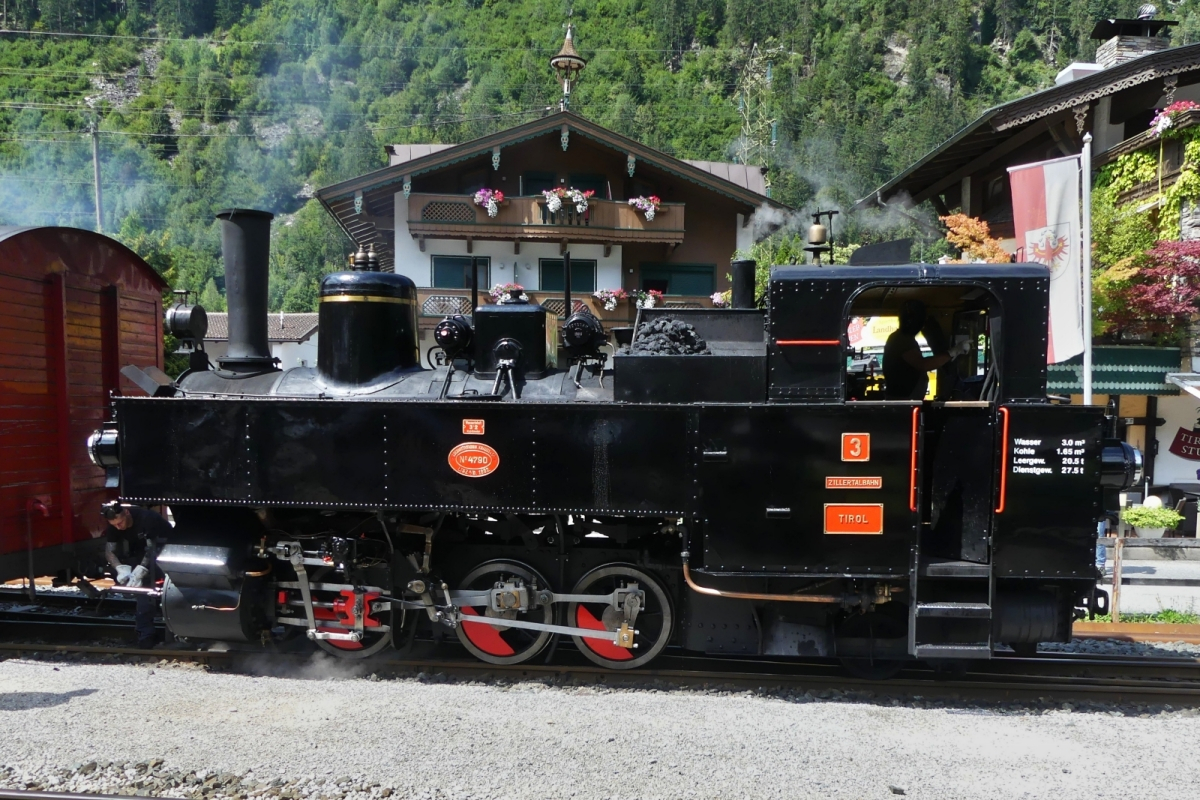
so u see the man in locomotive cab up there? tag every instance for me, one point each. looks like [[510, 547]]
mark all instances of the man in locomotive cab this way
[[132, 540], [905, 370]]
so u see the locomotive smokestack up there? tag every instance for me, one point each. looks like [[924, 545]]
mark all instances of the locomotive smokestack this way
[[566, 285], [743, 284], [475, 287], [245, 247]]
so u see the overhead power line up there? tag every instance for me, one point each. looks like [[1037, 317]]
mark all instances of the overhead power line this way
[[543, 50]]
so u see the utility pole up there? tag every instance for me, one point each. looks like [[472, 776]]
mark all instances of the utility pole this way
[[96, 174]]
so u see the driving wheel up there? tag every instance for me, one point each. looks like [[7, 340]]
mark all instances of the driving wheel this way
[[653, 621], [500, 644]]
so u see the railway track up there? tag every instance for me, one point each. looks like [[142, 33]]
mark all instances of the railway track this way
[[1060, 677], [21, 794], [1043, 679]]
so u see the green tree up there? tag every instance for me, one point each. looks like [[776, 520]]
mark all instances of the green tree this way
[[210, 298]]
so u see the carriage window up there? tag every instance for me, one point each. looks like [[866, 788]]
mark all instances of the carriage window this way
[[922, 342]]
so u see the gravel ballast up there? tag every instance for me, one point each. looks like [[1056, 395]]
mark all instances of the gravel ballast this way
[[177, 730], [1119, 647]]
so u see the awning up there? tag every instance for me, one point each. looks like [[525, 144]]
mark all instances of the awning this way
[[1188, 381], [1118, 369]]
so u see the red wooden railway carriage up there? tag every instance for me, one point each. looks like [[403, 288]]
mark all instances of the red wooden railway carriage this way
[[74, 307]]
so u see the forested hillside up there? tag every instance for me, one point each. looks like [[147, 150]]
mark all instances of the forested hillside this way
[[205, 104]]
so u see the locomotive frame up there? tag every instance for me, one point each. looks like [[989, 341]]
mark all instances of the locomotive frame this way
[[686, 502]]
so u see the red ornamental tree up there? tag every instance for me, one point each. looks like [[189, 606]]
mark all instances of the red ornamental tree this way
[[1163, 296]]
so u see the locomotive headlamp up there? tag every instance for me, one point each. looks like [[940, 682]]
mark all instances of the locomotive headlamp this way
[[1120, 465], [507, 350], [583, 335], [453, 334], [104, 450], [185, 321]]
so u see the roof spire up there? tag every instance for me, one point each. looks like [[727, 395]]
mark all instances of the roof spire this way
[[568, 64]]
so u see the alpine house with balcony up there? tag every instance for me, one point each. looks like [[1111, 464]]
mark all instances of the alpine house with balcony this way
[[425, 218]]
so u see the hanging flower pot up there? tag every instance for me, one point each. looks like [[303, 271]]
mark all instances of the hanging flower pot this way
[[557, 196], [647, 205], [610, 297], [489, 199], [506, 293]]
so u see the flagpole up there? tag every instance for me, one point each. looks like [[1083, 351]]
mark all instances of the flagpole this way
[[1086, 182]]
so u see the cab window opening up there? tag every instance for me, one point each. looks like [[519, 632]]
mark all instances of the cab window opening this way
[[922, 342]]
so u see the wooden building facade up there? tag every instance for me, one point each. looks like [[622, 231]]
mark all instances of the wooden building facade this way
[[420, 217], [77, 306]]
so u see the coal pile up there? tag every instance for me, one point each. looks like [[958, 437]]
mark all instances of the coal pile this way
[[667, 337]]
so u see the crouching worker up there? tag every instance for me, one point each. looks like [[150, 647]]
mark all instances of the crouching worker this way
[[133, 538]]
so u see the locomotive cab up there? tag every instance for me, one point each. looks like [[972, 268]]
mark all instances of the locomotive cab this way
[[966, 317]]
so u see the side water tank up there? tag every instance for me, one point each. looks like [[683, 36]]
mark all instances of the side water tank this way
[[367, 326]]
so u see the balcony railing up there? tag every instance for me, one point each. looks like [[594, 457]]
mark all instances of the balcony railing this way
[[455, 216], [434, 304]]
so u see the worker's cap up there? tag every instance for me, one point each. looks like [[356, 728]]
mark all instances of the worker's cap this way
[[111, 510]]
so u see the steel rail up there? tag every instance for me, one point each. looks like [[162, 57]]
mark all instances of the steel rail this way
[[22, 794], [978, 684]]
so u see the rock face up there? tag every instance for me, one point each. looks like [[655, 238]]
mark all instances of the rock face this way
[[668, 337], [1189, 222]]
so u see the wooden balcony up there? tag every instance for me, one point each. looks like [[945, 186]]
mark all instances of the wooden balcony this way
[[1168, 150], [455, 216], [434, 304]]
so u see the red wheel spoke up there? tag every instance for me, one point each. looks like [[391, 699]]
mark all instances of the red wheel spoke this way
[[485, 636]]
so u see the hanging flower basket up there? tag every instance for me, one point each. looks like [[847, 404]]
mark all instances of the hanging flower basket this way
[[504, 293], [647, 205], [649, 298], [489, 199], [1165, 122], [557, 196], [611, 297]]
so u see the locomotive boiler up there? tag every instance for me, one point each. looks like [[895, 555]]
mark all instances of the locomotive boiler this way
[[755, 495]]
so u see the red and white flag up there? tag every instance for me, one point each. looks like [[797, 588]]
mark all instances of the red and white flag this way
[[1046, 216]]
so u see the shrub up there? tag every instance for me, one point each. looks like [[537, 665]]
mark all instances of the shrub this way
[[1149, 517], [1155, 295]]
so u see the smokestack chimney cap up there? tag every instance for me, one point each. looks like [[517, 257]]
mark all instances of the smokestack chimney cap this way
[[230, 213]]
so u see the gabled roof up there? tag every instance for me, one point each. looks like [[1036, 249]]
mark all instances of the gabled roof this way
[[1002, 123], [747, 176], [10, 231], [401, 153], [280, 327], [338, 198]]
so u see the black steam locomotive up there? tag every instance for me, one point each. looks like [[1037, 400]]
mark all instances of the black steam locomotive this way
[[756, 498]]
